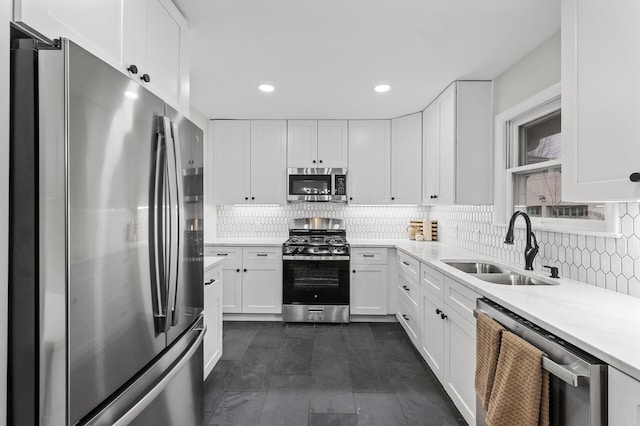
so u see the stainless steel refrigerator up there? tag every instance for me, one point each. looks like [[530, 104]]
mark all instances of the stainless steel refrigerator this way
[[106, 246]]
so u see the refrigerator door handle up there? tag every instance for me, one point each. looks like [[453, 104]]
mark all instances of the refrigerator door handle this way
[[130, 415], [173, 245], [157, 234], [180, 210]]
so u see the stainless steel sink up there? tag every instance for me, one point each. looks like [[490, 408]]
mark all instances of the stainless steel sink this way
[[472, 267], [513, 279], [495, 274]]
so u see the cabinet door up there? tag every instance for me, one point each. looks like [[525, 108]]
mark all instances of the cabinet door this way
[[369, 161], [232, 290], [212, 318], [368, 290], [302, 143], [332, 143], [406, 159], [447, 146], [600, 100], [460, 363], [430, 153], [103, 27], [268, 161], [232, 167], [262, 290], [160, 49], [624, 399], [432, 348]]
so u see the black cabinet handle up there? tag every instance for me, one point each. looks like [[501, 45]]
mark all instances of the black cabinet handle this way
[[635, 177], [314, 161], [211, 281], [350, 198], [253, 198], [367, 255], [146, 78], [443, 316], [245, 269], [393, 198], [222, 254], [405, 263], [406, 288], [237, 270], [438, 311], [354, 271], [262, 254], [320, 161], [406, 318], [246, 198], [133, 69]]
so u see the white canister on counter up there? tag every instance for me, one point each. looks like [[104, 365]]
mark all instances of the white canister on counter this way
[[426, 227]]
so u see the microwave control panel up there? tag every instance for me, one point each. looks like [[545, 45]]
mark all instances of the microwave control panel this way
[[341, 185]]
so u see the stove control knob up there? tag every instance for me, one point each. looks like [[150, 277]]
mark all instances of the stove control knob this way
[[315, 250]]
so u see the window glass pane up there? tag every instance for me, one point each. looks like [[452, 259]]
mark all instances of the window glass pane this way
[[538, 193], [540, 140]]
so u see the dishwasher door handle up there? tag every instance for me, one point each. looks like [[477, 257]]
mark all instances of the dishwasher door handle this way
[[560, 371]]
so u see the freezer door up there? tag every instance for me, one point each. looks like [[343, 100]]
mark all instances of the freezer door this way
[[113, 296], [189, 293]]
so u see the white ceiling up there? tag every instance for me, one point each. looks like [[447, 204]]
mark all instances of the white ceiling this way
[[324, 57]]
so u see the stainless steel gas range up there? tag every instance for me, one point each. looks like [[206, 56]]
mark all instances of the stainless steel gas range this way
[[315, 258]]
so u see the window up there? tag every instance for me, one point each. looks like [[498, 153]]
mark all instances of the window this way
[[529, 170]]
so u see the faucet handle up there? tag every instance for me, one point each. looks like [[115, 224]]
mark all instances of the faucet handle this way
[[554, 271]]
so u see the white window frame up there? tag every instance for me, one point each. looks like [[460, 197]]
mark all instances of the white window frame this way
[[507, 126]]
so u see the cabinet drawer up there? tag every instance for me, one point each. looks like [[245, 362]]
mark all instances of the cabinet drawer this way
[[233, 255], [409, 266], [409, 292], [460, 298], [410, 321], [213, 276], [262, 255], [432, 280], [372, 255]]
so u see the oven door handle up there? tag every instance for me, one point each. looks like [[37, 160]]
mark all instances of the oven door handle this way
[[560, 371], [315, 258]]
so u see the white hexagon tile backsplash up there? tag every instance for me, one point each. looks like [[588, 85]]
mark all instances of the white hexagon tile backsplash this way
[[613, 263]]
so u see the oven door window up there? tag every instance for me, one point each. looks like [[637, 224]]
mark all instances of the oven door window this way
[[316, 282], [309, 184]]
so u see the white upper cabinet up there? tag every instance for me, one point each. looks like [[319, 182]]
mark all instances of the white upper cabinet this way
[[161, 51], [151, 35], [406, 159], [249, 161], [600, 100], [317, 143], [369, 161], [232, 161], [457, 147], [268, 161]]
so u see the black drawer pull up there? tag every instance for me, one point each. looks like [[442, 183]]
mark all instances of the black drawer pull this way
[[262, 254], [222, 254], [443, 316], [368, 255], [405, 263], [406, 318], [438, 311], [211, 281], [635, 177]]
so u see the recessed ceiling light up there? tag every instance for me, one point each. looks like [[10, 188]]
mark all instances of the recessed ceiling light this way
[[266, 88], [381, 88]]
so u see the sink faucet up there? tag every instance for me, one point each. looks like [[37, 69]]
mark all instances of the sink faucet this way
[[531, 250]]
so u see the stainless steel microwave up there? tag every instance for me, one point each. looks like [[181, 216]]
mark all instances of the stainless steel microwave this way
[[311, 184]]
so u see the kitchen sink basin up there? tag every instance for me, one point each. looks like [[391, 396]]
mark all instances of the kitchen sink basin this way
[[495, 274], [512, 279], [471, 267]]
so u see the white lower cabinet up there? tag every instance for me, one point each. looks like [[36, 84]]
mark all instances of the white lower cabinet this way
[[252, 279], [448, 339], [212, 317], [409, 302], [624, 399], [368, 285]]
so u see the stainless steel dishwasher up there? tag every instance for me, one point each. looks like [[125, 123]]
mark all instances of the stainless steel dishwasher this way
[[577, 380]]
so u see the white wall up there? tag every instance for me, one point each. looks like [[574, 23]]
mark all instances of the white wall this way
[[5, 16], [535, 72]]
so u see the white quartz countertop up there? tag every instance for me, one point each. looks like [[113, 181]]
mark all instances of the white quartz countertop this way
[[212, 261], [599, 321], [230, 242]]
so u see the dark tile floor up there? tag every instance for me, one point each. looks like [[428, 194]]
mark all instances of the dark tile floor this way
[[325, 374]]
